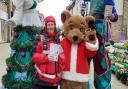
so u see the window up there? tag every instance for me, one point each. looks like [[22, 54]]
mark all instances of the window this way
[[3, 31]]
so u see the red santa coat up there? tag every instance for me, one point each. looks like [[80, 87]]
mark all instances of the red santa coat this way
[[76, 60], [46, 70]]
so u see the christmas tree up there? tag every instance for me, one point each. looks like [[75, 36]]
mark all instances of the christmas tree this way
[[20, 70]]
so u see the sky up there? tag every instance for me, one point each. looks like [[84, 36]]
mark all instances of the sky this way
[[54, 8]]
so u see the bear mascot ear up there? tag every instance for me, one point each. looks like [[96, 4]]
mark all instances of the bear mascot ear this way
[[65, 15], [90, 20]]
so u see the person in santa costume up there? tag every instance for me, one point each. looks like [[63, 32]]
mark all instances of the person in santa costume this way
[[76, 59], [47, 70], [77, 51]]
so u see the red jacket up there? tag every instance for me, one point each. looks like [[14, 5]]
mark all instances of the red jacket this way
[[46, 70], [76, 63]]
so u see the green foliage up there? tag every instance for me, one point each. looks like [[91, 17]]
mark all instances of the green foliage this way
[[11, 62], [122, 75], [126, 44], [15, 85], [31, 30], [17, 46]]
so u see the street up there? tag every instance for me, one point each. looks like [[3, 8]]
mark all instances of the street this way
[[5, 52]]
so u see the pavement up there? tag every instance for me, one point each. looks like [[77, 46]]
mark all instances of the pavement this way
[[5, 53]]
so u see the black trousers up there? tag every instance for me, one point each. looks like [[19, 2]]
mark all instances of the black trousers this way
[[39, 84]]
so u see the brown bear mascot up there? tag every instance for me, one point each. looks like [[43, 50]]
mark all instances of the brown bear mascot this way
[[79, 46]]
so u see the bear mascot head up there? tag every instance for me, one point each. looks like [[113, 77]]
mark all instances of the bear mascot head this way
[[78, 28]]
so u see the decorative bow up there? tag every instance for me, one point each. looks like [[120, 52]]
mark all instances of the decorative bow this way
[[3, 87], [21, 76]]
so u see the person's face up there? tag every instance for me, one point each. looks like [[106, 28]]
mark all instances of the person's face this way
[[50, 27]]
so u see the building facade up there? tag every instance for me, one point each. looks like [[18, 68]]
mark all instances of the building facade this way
[[75, 7], [120, 28], [3, 18], [6, 12]]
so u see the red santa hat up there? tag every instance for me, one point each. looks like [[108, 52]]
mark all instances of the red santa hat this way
[[49, 19]]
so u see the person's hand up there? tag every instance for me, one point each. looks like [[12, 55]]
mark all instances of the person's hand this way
[[10, 23], [50, 58], [110, 16], [90, 35]]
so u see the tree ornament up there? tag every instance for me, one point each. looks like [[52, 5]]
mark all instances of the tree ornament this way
[[23, 54]]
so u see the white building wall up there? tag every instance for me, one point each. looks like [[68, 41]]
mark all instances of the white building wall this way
[[77, 7], [127, 29], [3, 16], [119, 6], [0, 32]]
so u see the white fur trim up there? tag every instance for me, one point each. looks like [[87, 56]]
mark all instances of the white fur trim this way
[[73, 61], [75, 76], [45, 75], [46, 51], [93, 47]]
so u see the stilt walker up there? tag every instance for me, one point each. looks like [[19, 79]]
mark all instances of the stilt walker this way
[[102, 77]]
